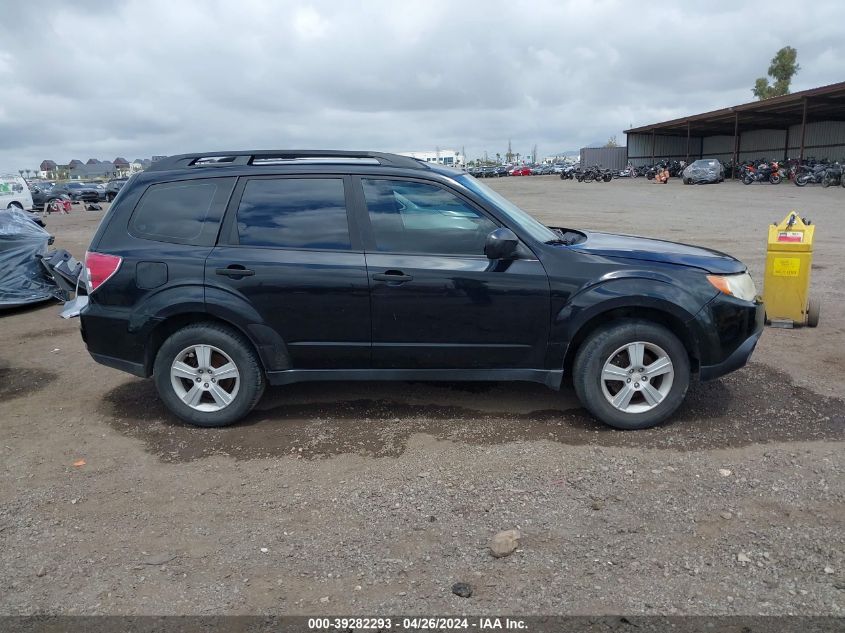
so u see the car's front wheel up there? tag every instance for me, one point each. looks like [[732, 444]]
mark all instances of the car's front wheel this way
[[631, 374], [208, 374]]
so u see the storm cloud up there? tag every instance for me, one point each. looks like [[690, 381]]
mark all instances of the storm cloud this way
[[144, 77]]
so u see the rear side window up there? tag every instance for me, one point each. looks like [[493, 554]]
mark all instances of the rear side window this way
[[182, 212], [294, 213]]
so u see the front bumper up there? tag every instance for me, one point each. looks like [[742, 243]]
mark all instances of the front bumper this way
[[730, 329], [85, 197], [737, 359]]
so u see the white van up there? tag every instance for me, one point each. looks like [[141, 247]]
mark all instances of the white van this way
[[14, 192]]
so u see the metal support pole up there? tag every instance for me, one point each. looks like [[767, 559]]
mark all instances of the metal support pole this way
[[736, 144], [786, 147], [652, 147], [687, 142], [803, 129]]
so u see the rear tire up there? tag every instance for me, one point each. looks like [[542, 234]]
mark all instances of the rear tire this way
[[226, 347], [801, 181], [774, 179], [605, 352]]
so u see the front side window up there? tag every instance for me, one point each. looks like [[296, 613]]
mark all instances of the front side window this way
[[414, 217], [294, 213]]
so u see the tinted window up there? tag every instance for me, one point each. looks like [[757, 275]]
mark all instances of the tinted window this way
[[413, 217], [294, 213], [184, 212]]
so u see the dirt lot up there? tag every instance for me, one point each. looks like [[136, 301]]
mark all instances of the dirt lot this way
[[374, 499]]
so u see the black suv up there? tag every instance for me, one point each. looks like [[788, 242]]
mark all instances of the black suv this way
[[217, 274], [113, 187]]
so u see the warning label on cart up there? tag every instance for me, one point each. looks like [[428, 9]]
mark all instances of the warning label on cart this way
[[790, 236], [786, 266]]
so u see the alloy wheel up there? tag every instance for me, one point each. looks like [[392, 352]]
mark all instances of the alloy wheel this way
[[637, 377], [205, 378]]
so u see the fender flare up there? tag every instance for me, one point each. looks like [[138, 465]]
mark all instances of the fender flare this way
[[220, 305], [645, 290]]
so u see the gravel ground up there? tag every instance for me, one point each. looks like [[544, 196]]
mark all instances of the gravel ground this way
[[375, 499]]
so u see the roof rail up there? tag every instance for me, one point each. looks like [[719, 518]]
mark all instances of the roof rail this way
[[281, 156]]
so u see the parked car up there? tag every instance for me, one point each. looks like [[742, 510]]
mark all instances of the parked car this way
[[218, 275], [40, 192], [14, 193], [520, 170], [113, 187], [76, 191], [704, 170], [500, 170], [101, 189]]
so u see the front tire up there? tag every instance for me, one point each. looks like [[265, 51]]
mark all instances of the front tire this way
[[631, 374], [208, 375]]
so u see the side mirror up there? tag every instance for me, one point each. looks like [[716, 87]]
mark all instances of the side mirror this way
[[501, 244]]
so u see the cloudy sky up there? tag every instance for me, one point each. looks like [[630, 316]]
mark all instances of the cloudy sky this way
[[134, 78]]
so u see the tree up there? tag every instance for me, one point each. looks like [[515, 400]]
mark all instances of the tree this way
[[498, 158], [611, 142], [782, 69], [509, 155]]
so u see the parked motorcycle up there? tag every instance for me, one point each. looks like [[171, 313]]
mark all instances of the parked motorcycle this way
[[832, 175], [807, 174], [764, 172]]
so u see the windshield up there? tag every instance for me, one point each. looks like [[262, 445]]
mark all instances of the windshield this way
[[528, 224]]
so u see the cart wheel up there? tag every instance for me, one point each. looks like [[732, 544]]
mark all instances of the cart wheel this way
[[813, 309]]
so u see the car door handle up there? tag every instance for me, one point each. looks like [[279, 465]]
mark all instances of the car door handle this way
[[392, 275], [236, 271]]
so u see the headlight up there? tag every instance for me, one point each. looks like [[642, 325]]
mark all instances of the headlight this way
[[740, 286]]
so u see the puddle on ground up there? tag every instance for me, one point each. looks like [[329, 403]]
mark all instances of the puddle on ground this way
[[752, 406], [16, 382]]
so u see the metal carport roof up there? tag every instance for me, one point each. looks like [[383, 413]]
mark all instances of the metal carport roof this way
[[826, 103]]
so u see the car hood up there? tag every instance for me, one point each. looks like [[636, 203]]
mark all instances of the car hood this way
[[661, 251]]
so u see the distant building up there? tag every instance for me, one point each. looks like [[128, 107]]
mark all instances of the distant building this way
[[139, 164], [448, 157], [74, 163], [101, 169], [48, 165], [91, 161]]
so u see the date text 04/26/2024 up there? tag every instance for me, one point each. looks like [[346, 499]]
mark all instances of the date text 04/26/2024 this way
[[416, 624]]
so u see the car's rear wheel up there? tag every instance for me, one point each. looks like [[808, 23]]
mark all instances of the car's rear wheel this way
[[15, 205], [631, 374], [208, 374]]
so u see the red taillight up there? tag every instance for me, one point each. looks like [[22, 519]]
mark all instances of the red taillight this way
[[100, 267]]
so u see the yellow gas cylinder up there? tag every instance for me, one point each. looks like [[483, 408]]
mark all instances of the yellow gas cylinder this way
[[789, 258]]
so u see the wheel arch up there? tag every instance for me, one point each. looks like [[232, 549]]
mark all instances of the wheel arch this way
[[271, 350], [652, 314]]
